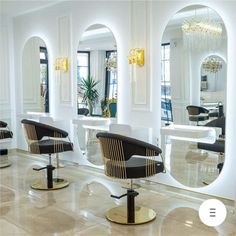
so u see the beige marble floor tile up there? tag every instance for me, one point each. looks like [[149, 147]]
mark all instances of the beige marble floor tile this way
[[80, 209]]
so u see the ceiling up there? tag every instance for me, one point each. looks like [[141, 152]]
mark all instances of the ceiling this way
[[14, 8]]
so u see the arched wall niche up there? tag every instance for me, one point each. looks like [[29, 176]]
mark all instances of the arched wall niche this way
[[228, 171], [35, 74], [121, 67]]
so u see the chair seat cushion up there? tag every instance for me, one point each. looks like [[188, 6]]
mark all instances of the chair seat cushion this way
[[198, 117], [218, 146], [5, 134], [136, 167], [50, 146]]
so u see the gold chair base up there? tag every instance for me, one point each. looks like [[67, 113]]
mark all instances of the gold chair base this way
[[119, 215], [42, 184], [5, 164]]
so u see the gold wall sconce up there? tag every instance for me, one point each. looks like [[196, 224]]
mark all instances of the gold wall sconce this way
[[136, 56], [61, 64]]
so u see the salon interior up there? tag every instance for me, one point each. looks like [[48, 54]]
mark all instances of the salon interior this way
[[117, 117]]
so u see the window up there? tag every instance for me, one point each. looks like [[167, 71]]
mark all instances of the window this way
[[166, 107], [111, 81], [83, 71], [44, 87], [83, 67]]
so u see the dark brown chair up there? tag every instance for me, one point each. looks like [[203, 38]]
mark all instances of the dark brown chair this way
[[83, 111], [5, 133], [196, 113], [46, 139], [120, 162], [219, 144]]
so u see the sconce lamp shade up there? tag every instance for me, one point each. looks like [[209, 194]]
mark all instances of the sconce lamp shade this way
[[136, 56], [61, 64]]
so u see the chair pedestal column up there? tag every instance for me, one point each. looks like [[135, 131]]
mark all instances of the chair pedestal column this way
[[130, 214], [51, 182], [131, 194], [50, 169]]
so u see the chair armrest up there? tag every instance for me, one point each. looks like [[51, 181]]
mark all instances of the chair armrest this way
[[43, 130], [132, 146], [3, 124]]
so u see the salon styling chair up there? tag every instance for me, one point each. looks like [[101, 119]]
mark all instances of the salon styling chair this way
[[128, 158], [219, 144], [196, 113], [46, 139], [5, 133]]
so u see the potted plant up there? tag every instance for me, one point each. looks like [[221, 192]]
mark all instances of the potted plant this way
[[90, 93]]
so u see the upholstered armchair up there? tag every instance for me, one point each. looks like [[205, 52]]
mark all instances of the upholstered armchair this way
[[83, 111], [46, 139], [196, 113], [5, 133], [128, 158], [219, 144]]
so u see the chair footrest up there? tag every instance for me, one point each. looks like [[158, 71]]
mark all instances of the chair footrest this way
[[45, 167], [38, 169], [119, 197]]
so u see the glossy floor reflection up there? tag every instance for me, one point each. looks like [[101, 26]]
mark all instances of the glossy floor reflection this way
[[191, 166], [80, 208]]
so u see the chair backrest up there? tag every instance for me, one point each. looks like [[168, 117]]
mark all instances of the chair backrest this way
[[83, 111], [3, 124], [112, 107], [196, 110], [5, 133], [36, 131], [117, 149]]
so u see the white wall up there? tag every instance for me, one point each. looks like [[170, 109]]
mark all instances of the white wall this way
[[147, 21]]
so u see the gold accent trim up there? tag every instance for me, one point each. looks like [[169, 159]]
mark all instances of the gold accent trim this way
[[42, 184], [119, 215]]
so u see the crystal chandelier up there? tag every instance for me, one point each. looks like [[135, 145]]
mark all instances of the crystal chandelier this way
[[201, 33], [111, 62], [212, 64]]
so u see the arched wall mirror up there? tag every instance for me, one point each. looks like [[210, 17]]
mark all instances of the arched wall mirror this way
[[96, 84], [193, 92], [35, 77], [97, 72]]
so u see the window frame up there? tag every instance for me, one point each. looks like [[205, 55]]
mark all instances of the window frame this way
[[108, 77], [86, 52], [164, 100], [45, 62]]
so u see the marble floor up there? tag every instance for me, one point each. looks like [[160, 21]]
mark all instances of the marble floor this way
[[79, 209]]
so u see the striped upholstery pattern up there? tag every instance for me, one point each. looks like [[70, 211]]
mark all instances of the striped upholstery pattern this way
[[120, 162], [45, 139]]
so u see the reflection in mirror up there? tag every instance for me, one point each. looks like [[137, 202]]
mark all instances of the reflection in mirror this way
[[188, 220], [193, 92], [97, 72], [213, 85], [96, 85], [35, 76]]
